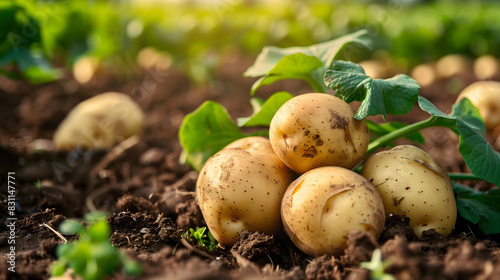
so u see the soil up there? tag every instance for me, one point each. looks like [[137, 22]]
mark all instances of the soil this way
[[150, 196]]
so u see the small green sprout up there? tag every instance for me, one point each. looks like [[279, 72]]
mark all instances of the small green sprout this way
[[92, 256], [377, 266], [38, 184], [205, 240]]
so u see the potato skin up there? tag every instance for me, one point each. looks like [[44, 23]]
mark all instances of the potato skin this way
[[99, 122], [325, 204], [411, 183], [485, 95], [317, 129], [241, 187]]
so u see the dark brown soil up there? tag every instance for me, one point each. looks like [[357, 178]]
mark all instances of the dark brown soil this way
[[150, 196]]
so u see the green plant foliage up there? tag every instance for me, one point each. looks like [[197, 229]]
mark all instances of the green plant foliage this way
[[92, 256], [203, 237], [205, 132], [377, 266], [306, 63], [388, 127], [480, 157], [395, 96], [21, 45], [478, 207], [263, 111]]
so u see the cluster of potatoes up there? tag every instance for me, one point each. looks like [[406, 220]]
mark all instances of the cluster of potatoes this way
[[300, 179]]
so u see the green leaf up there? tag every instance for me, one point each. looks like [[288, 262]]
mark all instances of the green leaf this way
[[132, 268], [396, 95], [385, 128], [263, 112], [326, 52], [294, 66], [479, 208], [70, 227], [306, 63], [469, 114], [95, 216], [206, 131], [480, 157], [100, 231], [57, 268]]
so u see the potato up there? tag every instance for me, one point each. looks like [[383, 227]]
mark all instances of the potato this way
[[325, 204], [378, 69], [241, 187], [453, 65], [411, 183], [317, 129], [424, 74], [487, 67], [99, 122], [485, 95]]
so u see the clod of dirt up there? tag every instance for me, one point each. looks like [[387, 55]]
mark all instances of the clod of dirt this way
[[469, 262], [324, 268], [181, 265], [360, 246], [35, 246], [189, 214], [135, 204], [143, 233], [257, 247], [177, 201], [397, 226]]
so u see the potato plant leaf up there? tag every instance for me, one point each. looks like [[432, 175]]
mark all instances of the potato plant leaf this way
[[263, 111], [395, 96], [307, 63], [294, 66], [206, 131], [480, 157], [479, 208]]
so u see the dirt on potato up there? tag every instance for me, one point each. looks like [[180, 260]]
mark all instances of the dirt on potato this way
[[150, 196]]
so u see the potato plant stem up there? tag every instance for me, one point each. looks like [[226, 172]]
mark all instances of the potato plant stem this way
[[399, 133], [463, 177]]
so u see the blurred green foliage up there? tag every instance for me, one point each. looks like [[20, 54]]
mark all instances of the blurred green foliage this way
[[39, 34]]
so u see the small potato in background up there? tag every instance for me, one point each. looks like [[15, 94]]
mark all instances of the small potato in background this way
[[324, 205], [485, 95], [412, 184], [487, 67], [99, 122]]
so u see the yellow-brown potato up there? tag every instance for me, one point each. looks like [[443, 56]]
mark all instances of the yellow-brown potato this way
[[485, 95], [324, 205], [424, 74], [99, 122], [411, 183], [452, 65], [487, 67], [241, 187], [317, 129]]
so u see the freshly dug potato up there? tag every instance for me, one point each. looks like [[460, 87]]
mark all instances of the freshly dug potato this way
[[99, 122], [325, 204], [317, 129], [241, 187], [411, 183], [485, 95]]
